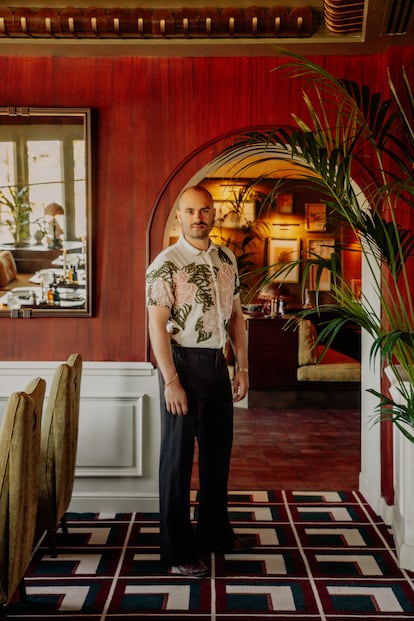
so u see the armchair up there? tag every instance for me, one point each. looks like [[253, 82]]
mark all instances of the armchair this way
[[19, 486], [58, 448]]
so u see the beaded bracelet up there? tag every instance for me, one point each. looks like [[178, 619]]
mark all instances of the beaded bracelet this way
[[243, 369]]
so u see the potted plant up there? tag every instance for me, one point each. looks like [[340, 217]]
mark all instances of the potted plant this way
[[18, 217]]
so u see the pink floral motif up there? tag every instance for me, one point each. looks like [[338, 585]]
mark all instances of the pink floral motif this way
[[226, 284], [161, 293], [210, 320], [185, 291]]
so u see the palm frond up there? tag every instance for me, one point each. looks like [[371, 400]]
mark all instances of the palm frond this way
[[400, 414], [407, 116]]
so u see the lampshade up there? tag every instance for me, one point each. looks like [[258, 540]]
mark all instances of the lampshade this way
[[54, 209]]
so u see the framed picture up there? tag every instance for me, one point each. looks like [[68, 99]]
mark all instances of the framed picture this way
[[322, 248], [283, 252], [228, 218], [315, 215], [285, 203]]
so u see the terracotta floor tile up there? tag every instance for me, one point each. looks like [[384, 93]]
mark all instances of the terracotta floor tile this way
[[294, 449]]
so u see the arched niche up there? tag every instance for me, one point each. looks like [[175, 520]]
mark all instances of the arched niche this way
[[198, 165]]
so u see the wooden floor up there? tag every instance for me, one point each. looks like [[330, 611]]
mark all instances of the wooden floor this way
[[295, 449]]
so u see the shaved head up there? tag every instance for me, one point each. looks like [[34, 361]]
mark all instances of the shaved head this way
[[192, 192]]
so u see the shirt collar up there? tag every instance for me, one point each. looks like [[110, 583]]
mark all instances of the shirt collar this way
[[196, 251]]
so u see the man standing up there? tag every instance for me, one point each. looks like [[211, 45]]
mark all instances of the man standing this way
[[193, 307]]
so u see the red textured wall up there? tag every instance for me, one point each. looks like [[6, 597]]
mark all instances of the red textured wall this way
[[152, 115]]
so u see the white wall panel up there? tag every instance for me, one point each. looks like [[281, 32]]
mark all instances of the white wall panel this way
[[119, 432], [119, 450]]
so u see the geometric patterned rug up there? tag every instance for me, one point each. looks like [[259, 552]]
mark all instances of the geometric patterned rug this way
[[319, 556]]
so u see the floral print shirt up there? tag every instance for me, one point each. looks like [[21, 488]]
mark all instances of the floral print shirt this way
[[198, 287]]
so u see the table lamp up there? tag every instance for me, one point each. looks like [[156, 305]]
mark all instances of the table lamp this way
[[54, 209]]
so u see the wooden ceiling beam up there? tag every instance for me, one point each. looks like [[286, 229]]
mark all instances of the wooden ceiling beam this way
[[161, 23]]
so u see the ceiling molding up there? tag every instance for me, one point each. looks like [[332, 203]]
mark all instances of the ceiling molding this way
[[167, 29], [160, 23]]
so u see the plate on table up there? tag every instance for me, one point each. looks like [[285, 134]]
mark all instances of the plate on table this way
[[70, 299], [25, 294], [72, 303], [21, 296], [47, 275]]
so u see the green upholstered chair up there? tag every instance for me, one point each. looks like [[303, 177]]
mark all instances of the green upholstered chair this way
[[19, 487], [334, 367], [58, 448]]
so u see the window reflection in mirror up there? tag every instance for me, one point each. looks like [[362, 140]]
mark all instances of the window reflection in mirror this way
[[45, 221]]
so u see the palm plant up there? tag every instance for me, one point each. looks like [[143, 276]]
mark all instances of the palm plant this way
[[358, 148], [19, 209]]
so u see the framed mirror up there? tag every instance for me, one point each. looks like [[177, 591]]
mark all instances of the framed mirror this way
[[45, 212]]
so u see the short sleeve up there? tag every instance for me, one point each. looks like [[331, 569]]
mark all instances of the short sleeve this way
[[159, 284]]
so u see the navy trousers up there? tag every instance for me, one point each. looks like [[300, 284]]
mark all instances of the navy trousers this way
[[204, 376]]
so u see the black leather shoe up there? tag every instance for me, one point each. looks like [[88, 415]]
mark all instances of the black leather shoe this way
[[243, 542], [239, 543]]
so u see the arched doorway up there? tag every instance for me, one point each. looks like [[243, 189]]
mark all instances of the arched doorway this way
[[196, 167]]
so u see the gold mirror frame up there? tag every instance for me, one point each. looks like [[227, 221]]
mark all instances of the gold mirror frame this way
[[51, 242]]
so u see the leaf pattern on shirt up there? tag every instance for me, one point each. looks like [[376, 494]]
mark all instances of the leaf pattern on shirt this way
[[179, 315], [200, 275], [160, 284], [202, 335], [224, 258], [184, 287]]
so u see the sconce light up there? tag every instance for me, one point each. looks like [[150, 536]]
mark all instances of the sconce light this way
[[53, 210]]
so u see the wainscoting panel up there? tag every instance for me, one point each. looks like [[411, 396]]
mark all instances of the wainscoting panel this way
[[119, 452], [119, 432]]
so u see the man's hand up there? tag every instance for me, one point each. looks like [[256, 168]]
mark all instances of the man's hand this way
[[240, 385], [176, 398]]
